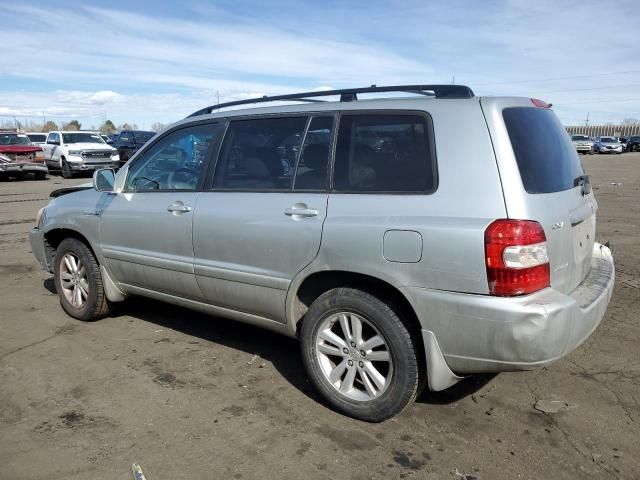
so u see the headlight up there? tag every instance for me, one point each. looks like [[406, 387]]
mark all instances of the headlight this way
[[115, 156], [75, 152], [40, 217]]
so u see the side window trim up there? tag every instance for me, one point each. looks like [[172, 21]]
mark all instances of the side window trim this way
[[430, 132], [300, 151], [147, 147], [213, 163], [332, 142]]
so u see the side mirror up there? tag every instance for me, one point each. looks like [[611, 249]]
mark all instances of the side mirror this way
[[104, 179]]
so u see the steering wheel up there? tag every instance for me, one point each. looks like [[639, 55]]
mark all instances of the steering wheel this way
[[182, 178]]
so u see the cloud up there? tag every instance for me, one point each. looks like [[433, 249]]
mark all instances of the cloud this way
[[167, 63]]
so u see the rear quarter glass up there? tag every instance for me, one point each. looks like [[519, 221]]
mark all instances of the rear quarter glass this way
[[547, 160]]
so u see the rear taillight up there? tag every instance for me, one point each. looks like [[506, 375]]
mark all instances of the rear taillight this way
[[516, 257]]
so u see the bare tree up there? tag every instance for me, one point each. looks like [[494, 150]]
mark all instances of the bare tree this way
[[73, 125], [49, 126], [158, 127], [107, 127]]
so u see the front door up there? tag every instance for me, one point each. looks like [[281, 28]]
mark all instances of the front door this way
[[261, 223], [146, 230]]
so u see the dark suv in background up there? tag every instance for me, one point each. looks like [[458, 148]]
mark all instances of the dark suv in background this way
[[129, 141], [633, 143]]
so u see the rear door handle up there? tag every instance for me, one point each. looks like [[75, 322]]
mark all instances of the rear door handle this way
[[300, 212], [178, 208]]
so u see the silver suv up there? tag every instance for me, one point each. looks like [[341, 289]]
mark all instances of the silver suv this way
[[400, 256]]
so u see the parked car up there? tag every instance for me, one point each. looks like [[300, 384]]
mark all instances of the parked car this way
[[633, 143], [608, 145], [623, 142], [19, 148], [582, 144], [38, 139], [73, 151], [129, 141], [11, 168], [378, 256]]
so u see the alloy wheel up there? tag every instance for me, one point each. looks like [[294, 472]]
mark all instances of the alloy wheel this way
[[74, 281], [353, 356]]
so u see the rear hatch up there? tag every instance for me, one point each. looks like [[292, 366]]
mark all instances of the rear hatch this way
[[543, 180]]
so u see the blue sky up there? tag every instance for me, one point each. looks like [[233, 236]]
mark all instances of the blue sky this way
[[142, 62]]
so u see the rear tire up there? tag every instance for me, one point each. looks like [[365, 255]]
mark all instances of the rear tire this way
[[371, 371], [41, 176], [79, 282]]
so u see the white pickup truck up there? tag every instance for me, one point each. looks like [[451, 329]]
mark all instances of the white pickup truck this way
[[72, 152]]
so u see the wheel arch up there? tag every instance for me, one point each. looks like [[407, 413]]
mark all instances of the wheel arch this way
[[316, 283], [434, 370], [55, 236]]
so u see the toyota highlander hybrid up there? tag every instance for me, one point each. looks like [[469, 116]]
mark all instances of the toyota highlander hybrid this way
[[401, 257]]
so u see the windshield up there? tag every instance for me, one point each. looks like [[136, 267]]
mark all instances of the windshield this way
[[37, 137], [580, 138], [14, 139], [608, 140], [81, 137]]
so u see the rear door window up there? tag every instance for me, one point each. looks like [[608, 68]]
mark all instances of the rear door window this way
[[260, 154], [385, 153], [547, 160]]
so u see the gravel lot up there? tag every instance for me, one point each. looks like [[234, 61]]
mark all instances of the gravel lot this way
[[190, 396]]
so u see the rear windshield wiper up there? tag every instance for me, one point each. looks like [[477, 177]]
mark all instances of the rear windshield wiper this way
[[583, 181]]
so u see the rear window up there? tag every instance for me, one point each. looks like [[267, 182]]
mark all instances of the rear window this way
[[546, 158], [385, 153], [37, 137], [143, 137]]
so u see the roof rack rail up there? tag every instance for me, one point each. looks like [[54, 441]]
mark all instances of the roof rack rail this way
[[351, 94]]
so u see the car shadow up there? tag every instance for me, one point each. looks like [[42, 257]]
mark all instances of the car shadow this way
[[281, 351], [464, 388], [50, 285]]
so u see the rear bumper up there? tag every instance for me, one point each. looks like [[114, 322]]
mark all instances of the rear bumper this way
[[479, 333]]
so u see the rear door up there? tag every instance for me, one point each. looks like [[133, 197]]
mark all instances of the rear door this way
[[543, 180], [261, 221]]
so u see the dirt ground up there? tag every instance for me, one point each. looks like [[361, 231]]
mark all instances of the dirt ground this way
[[191, 396]]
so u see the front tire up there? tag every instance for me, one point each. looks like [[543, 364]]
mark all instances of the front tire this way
[[79, 282], [360, 355], [66, 170]]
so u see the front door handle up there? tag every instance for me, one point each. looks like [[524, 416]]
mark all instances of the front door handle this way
[[300, 210], [178, 208]]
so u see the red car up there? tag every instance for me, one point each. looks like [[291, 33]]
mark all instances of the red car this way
[[18, 147]]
